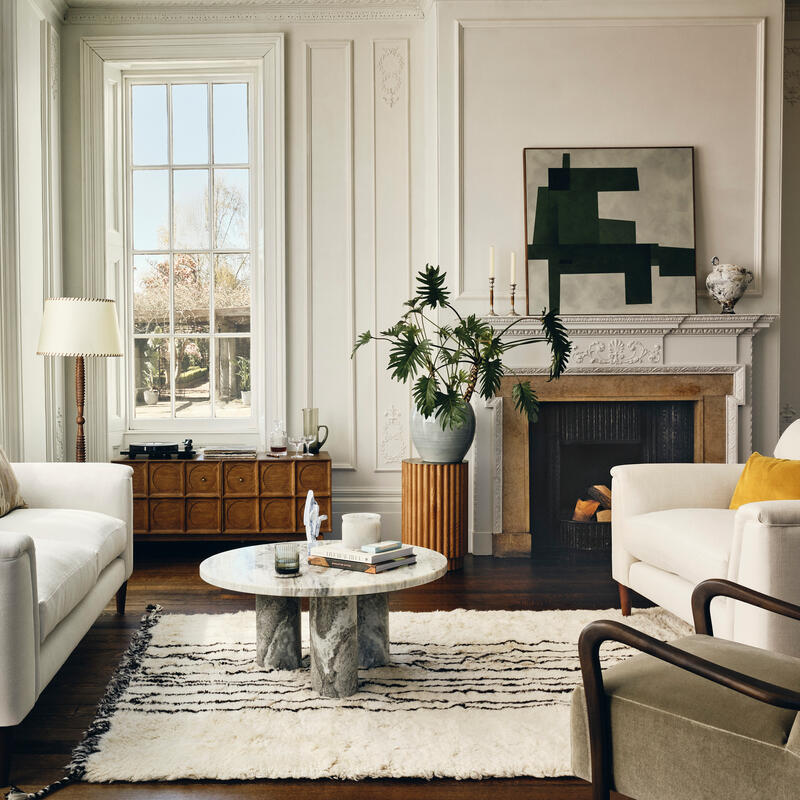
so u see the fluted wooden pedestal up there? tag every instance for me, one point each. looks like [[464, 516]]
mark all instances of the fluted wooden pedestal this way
[[435, 508]]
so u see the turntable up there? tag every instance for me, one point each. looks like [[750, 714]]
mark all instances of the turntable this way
[[160, 450]]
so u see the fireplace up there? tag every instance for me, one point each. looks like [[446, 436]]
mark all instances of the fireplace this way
[[573, 446]]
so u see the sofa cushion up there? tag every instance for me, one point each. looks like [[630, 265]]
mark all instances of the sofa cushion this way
[[678, 735], [694, 543], [72, 549], [765, 479]]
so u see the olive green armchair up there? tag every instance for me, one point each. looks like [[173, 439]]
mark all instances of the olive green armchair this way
[[697, 719]]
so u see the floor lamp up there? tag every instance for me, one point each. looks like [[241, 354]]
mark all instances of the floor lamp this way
[[79, 327]]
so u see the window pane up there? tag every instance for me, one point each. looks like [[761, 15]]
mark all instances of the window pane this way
[[192, 398], [149, 124], [192, 292], [232, 384], [232, 293], [151, 378], [151, 294], [230, 123], [190, 124], [151, 209], [231, 208], [190, 207]]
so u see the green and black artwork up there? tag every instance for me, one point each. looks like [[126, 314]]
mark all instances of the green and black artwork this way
[[610, 230]]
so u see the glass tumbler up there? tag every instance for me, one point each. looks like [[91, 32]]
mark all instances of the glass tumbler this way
[[287, 558]]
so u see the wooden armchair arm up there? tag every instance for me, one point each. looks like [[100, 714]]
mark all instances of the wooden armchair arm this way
[[593, 636], [706, 591]]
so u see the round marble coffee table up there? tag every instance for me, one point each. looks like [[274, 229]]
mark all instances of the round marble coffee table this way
[[349, 611]]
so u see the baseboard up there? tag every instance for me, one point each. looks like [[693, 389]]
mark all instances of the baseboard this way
[[481, 544], [511, 545]]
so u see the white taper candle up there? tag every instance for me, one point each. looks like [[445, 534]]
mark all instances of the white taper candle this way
[[513, 267], [491, 261]]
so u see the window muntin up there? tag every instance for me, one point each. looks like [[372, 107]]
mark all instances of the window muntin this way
[[190, 248]]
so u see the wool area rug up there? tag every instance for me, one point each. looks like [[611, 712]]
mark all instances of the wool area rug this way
[[468, 694]]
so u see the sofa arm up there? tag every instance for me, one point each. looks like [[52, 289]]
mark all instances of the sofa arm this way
[[641, 488], [765, 556], [19, 627], [105, 488]]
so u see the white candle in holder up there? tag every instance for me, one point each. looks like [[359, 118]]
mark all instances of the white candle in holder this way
[[360, 529], [513, 267], [491, 261]]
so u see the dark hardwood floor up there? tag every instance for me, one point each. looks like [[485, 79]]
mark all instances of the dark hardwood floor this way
[[167, 574]]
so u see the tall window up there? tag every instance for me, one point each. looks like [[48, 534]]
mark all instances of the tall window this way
[[190, 247]]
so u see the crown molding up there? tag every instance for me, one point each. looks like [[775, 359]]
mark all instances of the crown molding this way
[[242, 11]]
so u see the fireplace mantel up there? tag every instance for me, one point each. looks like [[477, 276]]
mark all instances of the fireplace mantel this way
[[624, 345]]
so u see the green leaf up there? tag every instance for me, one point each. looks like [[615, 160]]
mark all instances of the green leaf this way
[[490, 373], [395, 330], [363, 338], [425, 392], [450, 408], [556, 336], [431, 290], [525, 400], [407, 355]]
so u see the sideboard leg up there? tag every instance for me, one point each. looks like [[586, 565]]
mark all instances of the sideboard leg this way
[[278, 632], [122, 593], [334, 645], [373, 629]]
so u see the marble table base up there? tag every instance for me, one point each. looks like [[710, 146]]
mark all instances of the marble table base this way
[[373, 630], [334, 645], [278, 632]]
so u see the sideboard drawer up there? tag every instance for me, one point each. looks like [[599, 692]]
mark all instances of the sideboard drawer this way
[[314, 475], [240, 516], [240, 478], [202, 479], [140, 515], [139, 479], [277, 514], [166, 516], [277, 479], [203, 516], [166, 479]]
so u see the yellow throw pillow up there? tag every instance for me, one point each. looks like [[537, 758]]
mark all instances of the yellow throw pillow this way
[[10, 497], [765, 478]]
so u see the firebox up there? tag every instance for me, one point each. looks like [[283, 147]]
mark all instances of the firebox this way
[[574, 445]]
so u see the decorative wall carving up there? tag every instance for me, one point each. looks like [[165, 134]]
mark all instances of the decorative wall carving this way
[[393, 443], [391, 71], [618, 351]]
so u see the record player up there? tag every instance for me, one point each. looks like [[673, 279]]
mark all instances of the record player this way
[[160, 450]]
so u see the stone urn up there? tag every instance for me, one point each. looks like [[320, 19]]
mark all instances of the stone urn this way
[[150, 397], [726, 283], [438, 445]]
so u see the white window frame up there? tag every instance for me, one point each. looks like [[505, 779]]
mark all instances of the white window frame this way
[[263, 55], [209, 74]]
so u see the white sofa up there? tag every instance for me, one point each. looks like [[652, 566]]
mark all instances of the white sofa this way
[[62, 559], [671, 529]]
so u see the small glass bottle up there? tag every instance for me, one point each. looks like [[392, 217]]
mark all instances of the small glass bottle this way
[[277, 437]]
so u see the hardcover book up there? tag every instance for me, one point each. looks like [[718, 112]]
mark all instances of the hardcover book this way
[[338, 551], [357, 566]]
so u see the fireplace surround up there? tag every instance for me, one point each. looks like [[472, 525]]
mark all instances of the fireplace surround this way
[[702, 359]]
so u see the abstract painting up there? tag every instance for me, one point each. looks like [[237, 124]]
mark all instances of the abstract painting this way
[[610, 230]]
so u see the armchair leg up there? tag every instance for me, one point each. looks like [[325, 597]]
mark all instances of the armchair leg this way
[[6, 736], [624, 600], [121, 595]]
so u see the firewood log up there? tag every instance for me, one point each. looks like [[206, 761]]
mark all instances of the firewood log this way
[[600, 493], [604, 515], [585, 510]]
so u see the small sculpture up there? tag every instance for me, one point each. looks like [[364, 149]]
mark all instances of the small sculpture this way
[[312, 520], [726, 283]]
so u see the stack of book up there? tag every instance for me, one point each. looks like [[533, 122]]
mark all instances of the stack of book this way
[[372, 558], [229, 452]]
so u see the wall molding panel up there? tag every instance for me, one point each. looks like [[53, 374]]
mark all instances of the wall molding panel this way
[[392, 237], [330, 231]]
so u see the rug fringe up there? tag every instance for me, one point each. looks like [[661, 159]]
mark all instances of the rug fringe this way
[[128, 665]]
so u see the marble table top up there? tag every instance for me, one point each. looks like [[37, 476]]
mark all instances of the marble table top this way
[[252, 570]]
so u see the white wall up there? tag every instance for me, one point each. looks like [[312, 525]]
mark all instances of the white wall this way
[[32, 425], [353, 187], [429, 118]]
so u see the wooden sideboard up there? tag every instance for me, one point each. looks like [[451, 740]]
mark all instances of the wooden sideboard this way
[[202, 499]]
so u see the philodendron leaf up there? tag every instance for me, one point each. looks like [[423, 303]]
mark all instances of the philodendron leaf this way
[[525, 400], [490, 373], [450, 409], [431, 290], [362, 339], [560, 346], [407, 355], [425, 391]]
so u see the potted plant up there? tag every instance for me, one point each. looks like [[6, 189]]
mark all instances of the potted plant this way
[[243, 373], [151, 381], [450, 359]]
